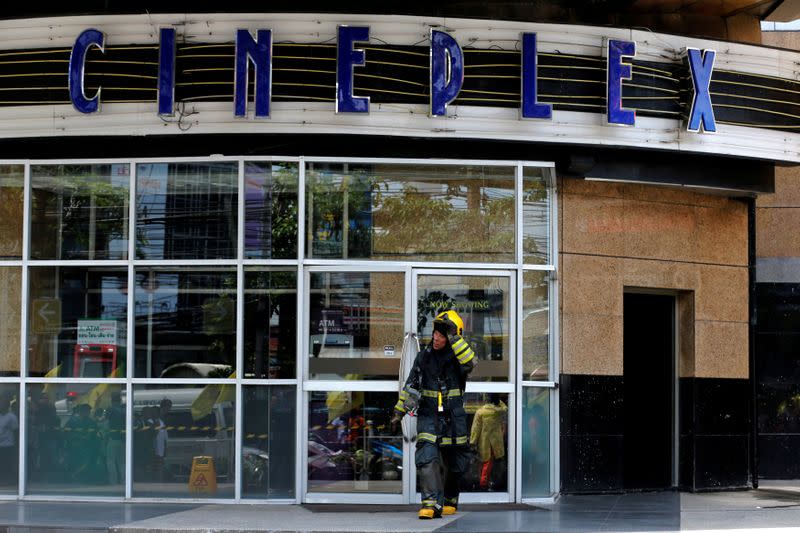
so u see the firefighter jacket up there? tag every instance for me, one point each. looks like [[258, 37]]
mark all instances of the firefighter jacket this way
[[440, 378], [488, 431]]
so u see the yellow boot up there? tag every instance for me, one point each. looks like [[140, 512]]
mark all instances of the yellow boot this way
[[427, 513], [448, 510]]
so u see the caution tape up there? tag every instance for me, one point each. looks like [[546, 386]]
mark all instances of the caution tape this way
[[357, 426], [142, 428]]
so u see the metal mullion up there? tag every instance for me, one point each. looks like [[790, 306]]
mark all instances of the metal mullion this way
[[518, 219], [413, 495], [518, 385], [518, 352], [514, 376], [128, 439], [301, 209], [478, 387], [85, 161], [15, 379], [301, 449], [237, 449], [271, 158], [553, 291], [545, 164], [23, 436], [89, 381], [140, 499], [541, 268], [73, 499], [251, 381], [180, 381], [377, 265], [408, 305], [172, 263], [555, 346], [483, 497], [131, 318], [12, 262], [113, 160], [555, 450], [426, 162], [270, 262], [513, 344], [288, 158], [540, 384], [507, 273], [78, 263], [23, 333], [350, 386], [353, 497], [349, 266], [189, 159], [240, 215], [248, 501], [132, 211]]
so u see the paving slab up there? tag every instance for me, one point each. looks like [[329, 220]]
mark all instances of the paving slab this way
[[773, 510], [280, 518], [80, 515]]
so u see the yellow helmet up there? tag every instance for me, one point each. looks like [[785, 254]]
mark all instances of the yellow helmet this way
[[454, 318]]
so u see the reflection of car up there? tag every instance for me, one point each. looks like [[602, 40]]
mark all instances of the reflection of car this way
[[320, 457], [195, 370], [255, 464]]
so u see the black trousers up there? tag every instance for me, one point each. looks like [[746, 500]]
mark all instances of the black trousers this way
[[440, 470]]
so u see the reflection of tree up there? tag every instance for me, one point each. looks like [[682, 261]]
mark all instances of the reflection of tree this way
[[329, 194], [468, 217], [534, 198], [414, 222], [219, 320], [277, 214], [270, 294]]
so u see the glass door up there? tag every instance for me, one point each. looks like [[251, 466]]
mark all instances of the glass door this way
[[485, 300], [356, 319]]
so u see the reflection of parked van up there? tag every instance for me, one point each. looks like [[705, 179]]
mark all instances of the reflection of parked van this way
[[212, 435]]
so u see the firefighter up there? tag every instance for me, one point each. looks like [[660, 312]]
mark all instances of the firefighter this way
[[435, 391]]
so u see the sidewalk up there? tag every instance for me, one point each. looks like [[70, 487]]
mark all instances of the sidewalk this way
[[772, 509]]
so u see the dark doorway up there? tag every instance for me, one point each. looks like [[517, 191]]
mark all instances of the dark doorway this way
[[649, 397]]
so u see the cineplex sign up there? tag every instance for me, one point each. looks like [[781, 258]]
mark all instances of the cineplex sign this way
[[446, 75]]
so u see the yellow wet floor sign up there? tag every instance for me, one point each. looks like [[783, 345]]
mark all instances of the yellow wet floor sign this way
[[203, 479]]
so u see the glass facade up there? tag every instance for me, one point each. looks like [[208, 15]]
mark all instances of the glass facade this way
[[79, 211], [353, 316], [75, 439], [233, 328], [462, 213]]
